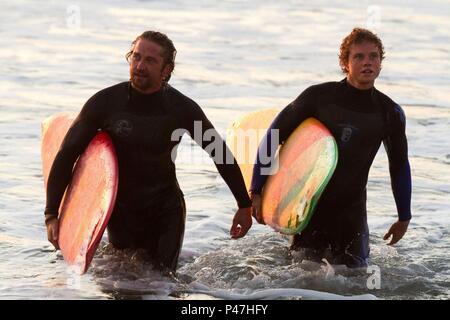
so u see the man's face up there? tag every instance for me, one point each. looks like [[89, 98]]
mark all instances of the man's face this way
[[364, 64], [147, 68]]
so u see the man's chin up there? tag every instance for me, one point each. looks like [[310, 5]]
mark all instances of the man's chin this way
[[141, 85], [367, 80]]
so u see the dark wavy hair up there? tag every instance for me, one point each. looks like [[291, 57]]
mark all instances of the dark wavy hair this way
[[357, 36], [168, 49]]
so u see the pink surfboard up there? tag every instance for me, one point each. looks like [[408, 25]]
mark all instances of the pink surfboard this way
[[89, 199]]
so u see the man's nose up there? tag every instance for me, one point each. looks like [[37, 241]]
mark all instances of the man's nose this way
[[140, 65], [367, 61]]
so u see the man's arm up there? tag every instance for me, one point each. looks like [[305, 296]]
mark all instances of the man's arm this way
[[211, 141], [76, 140], [397, 150]]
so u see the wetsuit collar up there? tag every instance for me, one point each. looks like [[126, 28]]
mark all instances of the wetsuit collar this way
[[139, 98], [355, 91]]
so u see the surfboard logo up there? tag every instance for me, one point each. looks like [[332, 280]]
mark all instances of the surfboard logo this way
[[123, 128]]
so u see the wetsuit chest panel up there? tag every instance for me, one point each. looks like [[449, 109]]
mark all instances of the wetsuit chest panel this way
[[150, 134], [141, 133], [358, 136], [352, 130]]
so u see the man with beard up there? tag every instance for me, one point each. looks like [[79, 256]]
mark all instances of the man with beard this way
[[360, 117], [141, 117]]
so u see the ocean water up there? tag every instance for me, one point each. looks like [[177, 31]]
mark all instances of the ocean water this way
[[233, 57]]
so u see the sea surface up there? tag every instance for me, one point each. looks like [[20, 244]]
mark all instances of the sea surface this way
[[233, 57]]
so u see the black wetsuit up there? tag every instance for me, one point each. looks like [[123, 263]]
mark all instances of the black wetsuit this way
[[150, 209], [359, 120]]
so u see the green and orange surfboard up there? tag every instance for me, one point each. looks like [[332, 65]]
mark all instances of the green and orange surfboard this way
[[304, 165]]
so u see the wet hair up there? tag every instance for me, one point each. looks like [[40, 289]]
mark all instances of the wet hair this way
[[357, 36], [168, 49]]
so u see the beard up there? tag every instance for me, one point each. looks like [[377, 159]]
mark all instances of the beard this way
[[141, 81]]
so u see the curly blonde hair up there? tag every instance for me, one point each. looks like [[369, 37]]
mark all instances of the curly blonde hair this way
[[358, 35]]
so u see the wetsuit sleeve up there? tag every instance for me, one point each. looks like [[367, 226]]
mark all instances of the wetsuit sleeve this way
[[397, 149], [76, 140], [281, 128], [211, 141]]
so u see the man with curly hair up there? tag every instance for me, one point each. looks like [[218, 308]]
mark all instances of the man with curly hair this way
[[360, 117]]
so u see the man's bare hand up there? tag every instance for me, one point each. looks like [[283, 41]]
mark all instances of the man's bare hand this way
[[256, 205], [397, 231], [242, 222], [53, 232]]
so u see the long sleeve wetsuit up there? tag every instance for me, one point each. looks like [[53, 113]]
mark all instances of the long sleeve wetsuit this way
[[359, 121], [149, 211]]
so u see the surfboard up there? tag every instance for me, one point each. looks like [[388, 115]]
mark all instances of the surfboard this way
[[244, 136], [89, 199], [302, 168]]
